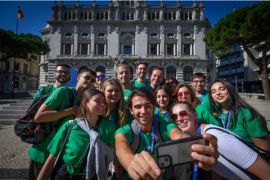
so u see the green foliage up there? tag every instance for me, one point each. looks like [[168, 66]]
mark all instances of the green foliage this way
[[19, 45], [248, 26]]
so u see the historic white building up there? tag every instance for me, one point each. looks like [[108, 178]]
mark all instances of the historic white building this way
[[100, 36]]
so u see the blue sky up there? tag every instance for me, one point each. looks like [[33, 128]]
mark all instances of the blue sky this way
[[36, 13]]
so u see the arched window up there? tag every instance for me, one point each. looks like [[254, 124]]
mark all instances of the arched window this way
[[101, 69], [188, 72], [127, 44], [170, 72]]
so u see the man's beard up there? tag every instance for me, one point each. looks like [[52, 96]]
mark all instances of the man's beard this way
[[62, 80]]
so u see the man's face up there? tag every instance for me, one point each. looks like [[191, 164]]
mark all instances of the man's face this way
[[62, 74], [198, 84], [141, 71], [123, 74], [85, 80], [142, 110], [157, 77]]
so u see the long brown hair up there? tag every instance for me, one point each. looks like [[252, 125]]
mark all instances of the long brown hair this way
[[236, 102], [87, 95]]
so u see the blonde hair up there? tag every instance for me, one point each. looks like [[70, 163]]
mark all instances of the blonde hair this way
[[121, 111]]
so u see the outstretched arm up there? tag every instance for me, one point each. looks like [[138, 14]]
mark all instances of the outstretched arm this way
[[138, 166], [237, 152]]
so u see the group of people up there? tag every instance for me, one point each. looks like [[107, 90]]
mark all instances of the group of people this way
[[116, 124]]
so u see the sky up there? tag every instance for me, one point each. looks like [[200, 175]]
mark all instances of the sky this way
[[36, 13]]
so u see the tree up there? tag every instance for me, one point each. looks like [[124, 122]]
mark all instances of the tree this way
[[248, 26], [19, 45]]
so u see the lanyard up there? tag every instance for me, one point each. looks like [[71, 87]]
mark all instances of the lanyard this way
[[195, 166], [150, 148], [226, 120]]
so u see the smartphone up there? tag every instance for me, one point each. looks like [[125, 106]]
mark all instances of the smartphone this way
[[177, 151]]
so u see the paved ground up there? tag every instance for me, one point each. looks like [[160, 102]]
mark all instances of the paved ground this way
[[13, 158], [14, 161]]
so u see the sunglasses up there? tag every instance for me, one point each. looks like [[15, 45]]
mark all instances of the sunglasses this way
[[100, 76], [181, 94], [182, 114]]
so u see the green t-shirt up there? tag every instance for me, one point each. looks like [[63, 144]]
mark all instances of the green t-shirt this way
[[127, 93], [203, 96], [144, 85], [77, 145], [44, 90], [58, 100], [162, 116], [165, 129], [246, 125]]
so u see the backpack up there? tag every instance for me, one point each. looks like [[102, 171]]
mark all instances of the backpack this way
[[32, 132]]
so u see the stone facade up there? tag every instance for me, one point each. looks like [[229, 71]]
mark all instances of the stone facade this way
[[100, 36]]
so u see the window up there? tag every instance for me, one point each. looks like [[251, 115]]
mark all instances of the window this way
[[170, 49], [84, 49], [127, 49], [100, 49], [101, 35], [170, 72], [25, 68], [170, 35], [68, 35], [84, 35], [187, 49], [154, 35], [153, 49], [187, 35], [188, 72], [67, 49], [17, 66], [127, 15]]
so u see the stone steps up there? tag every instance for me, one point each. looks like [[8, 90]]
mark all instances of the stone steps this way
[[9, 108], [10, 113]]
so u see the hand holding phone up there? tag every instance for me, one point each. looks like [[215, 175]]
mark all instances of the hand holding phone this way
[[177, 151]]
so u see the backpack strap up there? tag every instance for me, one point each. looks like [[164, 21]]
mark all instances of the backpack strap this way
[[136, 134], [71, 97], [71, 122]]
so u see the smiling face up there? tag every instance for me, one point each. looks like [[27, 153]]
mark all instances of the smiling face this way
[[112, 94], [156, 77], [198, 83], [184, 94], [96, 105], [62, 74], [184, 118], [123, 74], [142, 110], [162, 98], [141, 71], [85, 80], [220, 93]]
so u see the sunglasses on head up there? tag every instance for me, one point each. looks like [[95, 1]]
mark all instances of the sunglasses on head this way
[[183, 113], [181, 94], [100, 76]]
